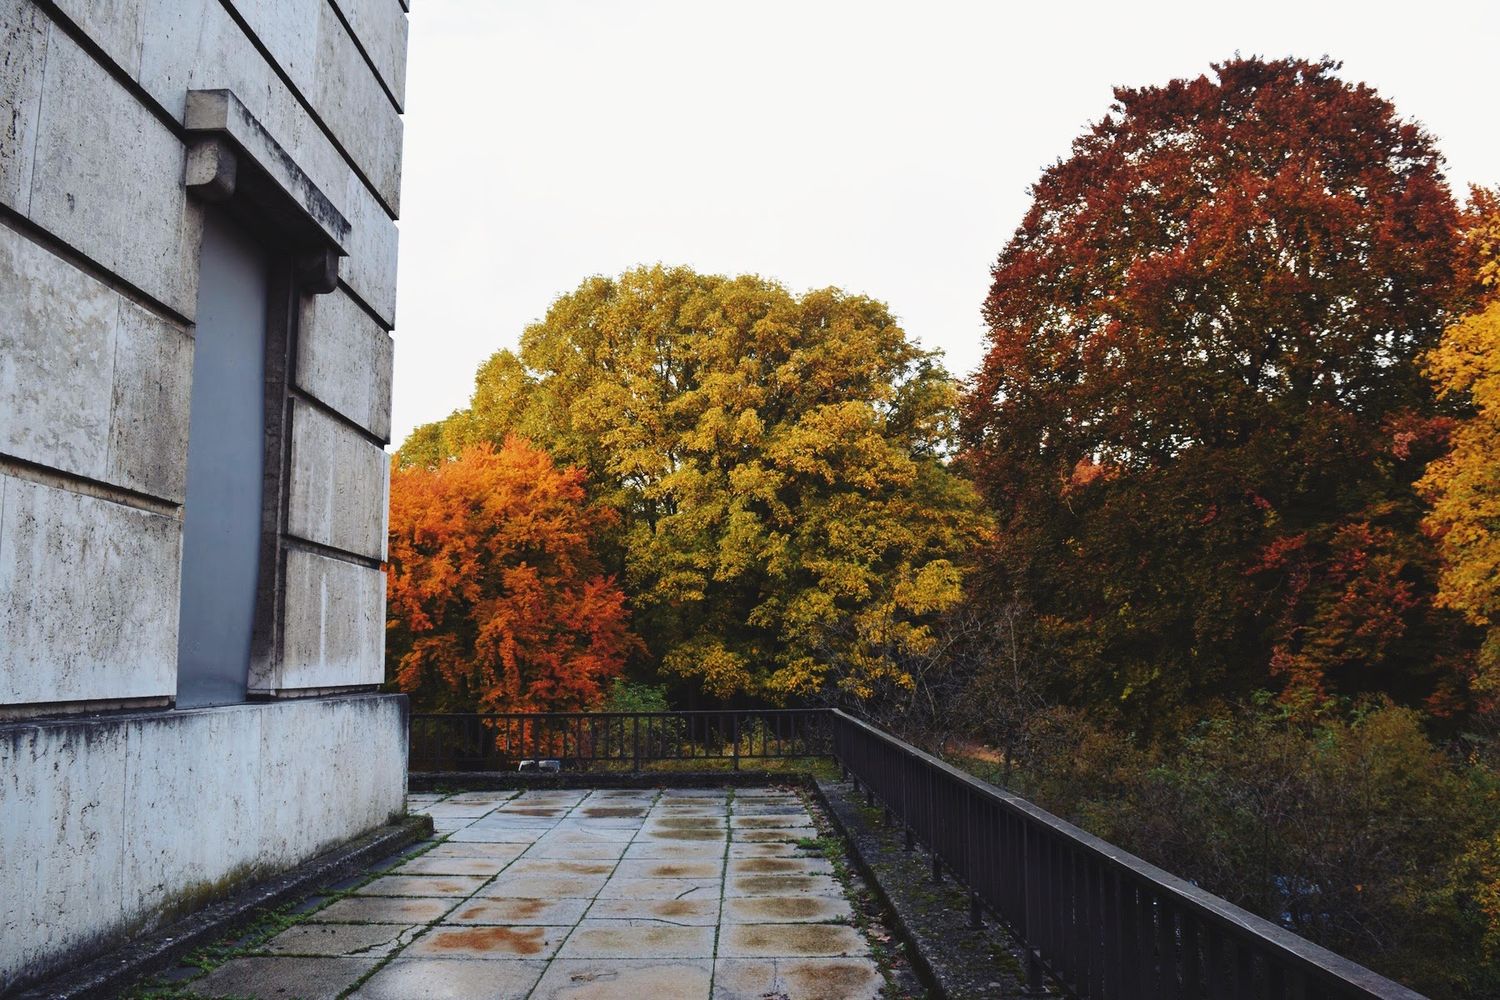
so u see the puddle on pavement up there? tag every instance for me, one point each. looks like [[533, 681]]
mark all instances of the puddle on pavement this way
[[785, 907], [684, 870], [516, 909], [773, 866], [691, 823], [583, 867], [825, 980], [772, 884], [620, 812], [506, 940], [686, 835]]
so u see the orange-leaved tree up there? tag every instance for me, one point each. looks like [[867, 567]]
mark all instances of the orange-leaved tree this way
[[496, 599]]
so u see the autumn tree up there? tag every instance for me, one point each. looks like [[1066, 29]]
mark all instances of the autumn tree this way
[[1200, 417], [497, 601], [1463, 485], [788, 520]]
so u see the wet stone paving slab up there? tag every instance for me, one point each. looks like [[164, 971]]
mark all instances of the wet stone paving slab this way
[[691, 893]]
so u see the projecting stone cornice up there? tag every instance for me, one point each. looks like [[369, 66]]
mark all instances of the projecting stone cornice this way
[[234, 161]]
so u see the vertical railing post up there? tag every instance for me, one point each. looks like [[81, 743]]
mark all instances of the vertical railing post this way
[[636, 729], [969, 864], [1028, 909], [734, 728], [1035, 980]]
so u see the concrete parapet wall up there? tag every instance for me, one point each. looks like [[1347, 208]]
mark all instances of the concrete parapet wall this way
[[113, 825]]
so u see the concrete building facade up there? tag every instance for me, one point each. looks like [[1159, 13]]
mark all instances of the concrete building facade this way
[[197, 293]]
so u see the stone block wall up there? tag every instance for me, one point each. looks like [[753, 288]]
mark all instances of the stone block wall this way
[[100, 241]]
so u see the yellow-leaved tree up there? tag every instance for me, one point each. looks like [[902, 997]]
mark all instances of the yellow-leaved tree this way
[[789, 523], [1463, 486]]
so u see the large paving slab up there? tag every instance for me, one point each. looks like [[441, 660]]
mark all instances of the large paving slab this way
[[303, 978], [452, 979], [687, 893], [797, 979]]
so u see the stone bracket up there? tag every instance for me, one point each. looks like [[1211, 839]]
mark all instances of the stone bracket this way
[[233, 160]]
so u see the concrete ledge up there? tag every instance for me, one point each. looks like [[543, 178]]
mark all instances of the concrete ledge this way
[[107, 975], [955, 960]]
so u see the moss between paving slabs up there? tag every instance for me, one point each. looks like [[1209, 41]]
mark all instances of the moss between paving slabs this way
[[867, 917], [887, 946], [961, 962], [176, 982]]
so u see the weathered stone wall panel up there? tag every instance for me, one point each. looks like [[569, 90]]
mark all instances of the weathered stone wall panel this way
[[188, 771], [338, 485], [90, 382], [57, 359], [332, 330], [116, 26], [334, 630], [113, 190], [380, 26], [350, 99], [148, 430], [370, 268], [23, 55], [359, 753], [314, 49], [88, 597]]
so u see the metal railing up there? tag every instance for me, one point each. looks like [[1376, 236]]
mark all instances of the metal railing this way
[[614, 740], [1102, 922]]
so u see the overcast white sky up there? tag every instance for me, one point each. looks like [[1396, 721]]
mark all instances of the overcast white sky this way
[[879, 146]]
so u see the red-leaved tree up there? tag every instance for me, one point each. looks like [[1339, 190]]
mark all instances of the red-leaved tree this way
[[496, 600], [1199, 416]]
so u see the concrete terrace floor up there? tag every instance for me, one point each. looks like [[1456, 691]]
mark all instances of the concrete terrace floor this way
[[690, 893]]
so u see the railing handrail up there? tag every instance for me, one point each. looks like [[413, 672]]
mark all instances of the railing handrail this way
[[1312, 958]]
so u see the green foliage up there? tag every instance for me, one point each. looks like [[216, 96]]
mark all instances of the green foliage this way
[[632, 696], [788, 520], [1358, 834]]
